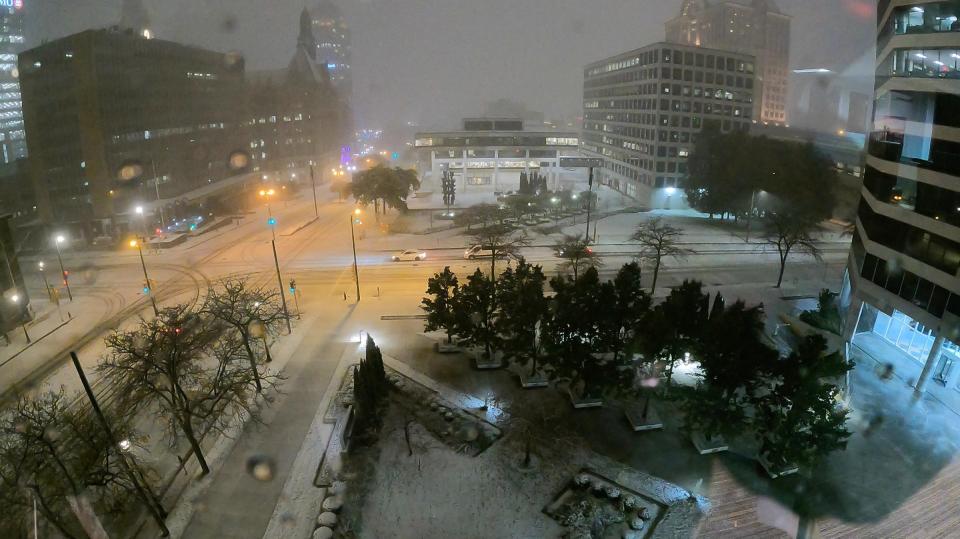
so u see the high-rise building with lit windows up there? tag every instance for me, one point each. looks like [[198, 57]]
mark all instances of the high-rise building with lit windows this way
[[643, 110], [13, 144], [332, 37], [902, 283], [755, 27]]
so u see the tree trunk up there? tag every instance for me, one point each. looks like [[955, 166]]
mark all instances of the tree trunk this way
[[656, 273], [533, 369], [646, 407], [253, 363], [783, 266], [526, 452], [194, 444]]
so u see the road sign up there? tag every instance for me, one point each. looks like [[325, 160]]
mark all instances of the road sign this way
[[581, 162]]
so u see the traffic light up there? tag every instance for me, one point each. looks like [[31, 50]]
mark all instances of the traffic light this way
[[293, 286]]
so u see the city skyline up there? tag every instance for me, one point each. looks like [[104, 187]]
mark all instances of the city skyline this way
[[480, 62]]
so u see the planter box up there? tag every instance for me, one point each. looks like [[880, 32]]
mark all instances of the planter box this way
[[705, 447], [536, 381], [775, 471], [487, 363], [639, 423], [580, 403], [444, 348]]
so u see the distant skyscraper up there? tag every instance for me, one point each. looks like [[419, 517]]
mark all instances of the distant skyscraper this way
[[133, 16], [754, 27], [333, 45], [13, 144]]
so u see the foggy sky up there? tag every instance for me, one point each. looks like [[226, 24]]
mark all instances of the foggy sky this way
[[434, 61]]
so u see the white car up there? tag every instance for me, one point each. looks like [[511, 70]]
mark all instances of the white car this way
[[409, 255]]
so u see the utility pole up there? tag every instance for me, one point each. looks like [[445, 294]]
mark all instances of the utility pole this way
[[66, 276], [141, 493], [146, 278], [276, 262], [313, 182], [156, 185], [753, 199], [356, 271], [589, 203]]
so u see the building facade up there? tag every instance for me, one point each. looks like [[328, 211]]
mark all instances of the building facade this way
[[754, 27], [297, 117], [489, 155], [332, 41], [13, 144], [114, 119], [643, 109], [902, 281]]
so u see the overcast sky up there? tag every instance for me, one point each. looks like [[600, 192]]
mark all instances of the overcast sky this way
[[433, 61]]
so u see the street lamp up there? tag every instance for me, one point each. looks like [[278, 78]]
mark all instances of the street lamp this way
[[147, 289], [66, 276], [23, 323], [267, 194], [276, 262], [46, 284], [143, 223], [355, 218]]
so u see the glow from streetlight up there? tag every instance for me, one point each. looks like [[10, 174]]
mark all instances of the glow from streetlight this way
[[15, 298], [133, 243], [139, 210], [40, 265], [671, 191], [124, 445], [61, 239], [356, 211]]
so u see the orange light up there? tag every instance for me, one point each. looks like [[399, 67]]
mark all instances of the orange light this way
[[356, 211], [133, 243]]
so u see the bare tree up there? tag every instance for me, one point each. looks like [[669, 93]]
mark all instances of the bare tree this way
[[790, 233], [501, 242], [242, 308], [51, 453], [181, 363], [576, 254], [658, 240]]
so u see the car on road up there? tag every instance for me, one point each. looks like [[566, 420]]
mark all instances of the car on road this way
[[480, 252], [409, 255]]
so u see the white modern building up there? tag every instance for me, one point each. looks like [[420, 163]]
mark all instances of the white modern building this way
[[902, 281], [489, 155]]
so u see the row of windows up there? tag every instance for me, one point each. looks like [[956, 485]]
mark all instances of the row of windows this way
[[943, 63], [926, 18], [923, 198], [931, 249], [909, 286]]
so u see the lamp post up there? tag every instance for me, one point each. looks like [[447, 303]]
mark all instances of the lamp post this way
[[46, 285], [146, 278], [556, 210], [266, 194], [66, 277], [353, 239], [276, 262], [143, 222], [313, 183], [23, 323], [589, 202]]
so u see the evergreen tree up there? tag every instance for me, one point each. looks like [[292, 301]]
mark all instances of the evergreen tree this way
[[523, 308], [442, 306], [477, 298]]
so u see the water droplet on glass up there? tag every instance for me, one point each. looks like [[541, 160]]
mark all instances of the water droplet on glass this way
[[233, 59], [260, 467], [229, 23], [885, 371], [51, 434], [238, 160], [130, 171]]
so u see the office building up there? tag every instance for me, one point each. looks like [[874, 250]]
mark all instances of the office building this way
[[13, 144], [643, 109], [489, 154], [902, 282], [298, 118], [114, 119], [754, 27], [332, 42]]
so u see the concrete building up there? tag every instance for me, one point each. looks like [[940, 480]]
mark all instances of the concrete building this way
[[332, 42], [113, 118], [755, 27], [902, 282], [643, 109], [297, 117], [13, 144], [489, 154]]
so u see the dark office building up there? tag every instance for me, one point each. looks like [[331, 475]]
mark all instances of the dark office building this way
[[114, 119], [13, 144], [643, 109]]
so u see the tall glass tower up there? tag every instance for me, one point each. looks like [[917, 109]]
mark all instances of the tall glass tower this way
[[332, 38], [903, 277], [13, 144]]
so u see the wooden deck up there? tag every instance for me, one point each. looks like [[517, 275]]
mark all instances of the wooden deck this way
[[932, 512]]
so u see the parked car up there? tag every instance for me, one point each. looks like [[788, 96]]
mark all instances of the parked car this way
[[410, 255]]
